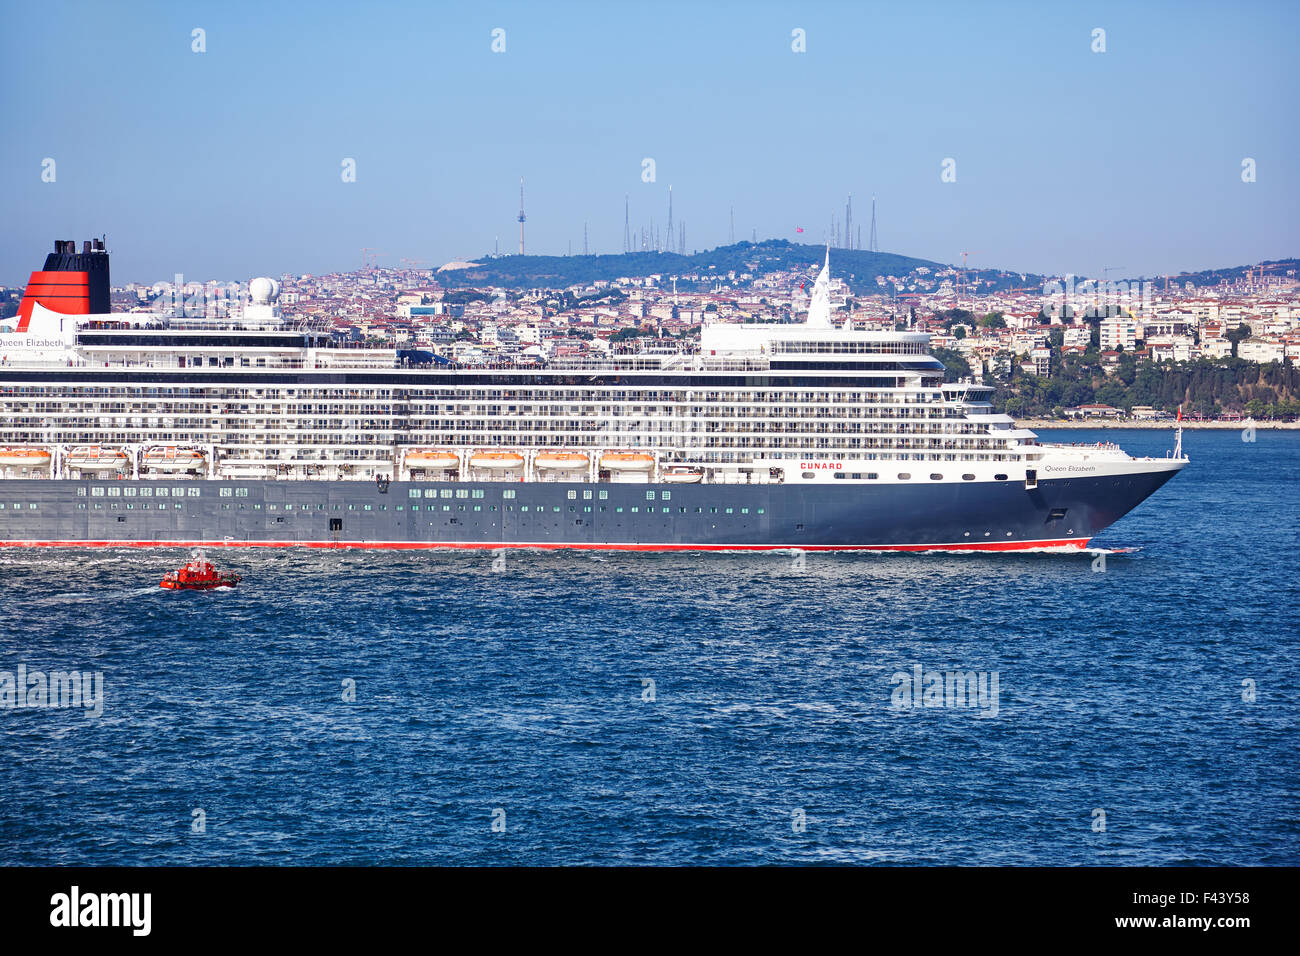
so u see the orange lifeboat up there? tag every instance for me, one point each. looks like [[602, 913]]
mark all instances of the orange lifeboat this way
[[496, 460], [171, 458], [438, 459], [96, 458], [682, 476], [627, 461], [562, 460], [24, 457]]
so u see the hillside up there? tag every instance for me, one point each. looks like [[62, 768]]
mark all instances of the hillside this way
[[859, 269]]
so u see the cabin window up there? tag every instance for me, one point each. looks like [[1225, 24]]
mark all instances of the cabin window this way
[[999, 477], [904, 476], [968, 477], [572, 496], [810, 474], [936, 477]]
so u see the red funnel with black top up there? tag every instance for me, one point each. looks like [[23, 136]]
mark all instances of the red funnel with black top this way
[[72, 283]]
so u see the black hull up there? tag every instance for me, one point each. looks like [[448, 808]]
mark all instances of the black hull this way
[[1006, 515]]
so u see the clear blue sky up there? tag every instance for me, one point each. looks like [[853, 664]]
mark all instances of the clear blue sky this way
[[227, 164]]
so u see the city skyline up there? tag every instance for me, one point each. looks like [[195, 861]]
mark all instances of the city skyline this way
[[1066, 158]]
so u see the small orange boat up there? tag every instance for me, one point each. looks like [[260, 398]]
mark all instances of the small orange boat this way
[[198, 575]]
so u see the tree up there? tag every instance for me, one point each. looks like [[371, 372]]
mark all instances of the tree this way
[[955, 366], [1235, 336], [994, 320]]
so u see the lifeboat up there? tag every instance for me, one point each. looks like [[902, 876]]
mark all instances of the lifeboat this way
[[198, 575], [435, 458], [562, 460], [682, 476], [171, 458], [627, 461], [24, 457], [96, 458], [496, 460]]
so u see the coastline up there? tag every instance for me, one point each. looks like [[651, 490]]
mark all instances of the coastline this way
[[1163, 425]]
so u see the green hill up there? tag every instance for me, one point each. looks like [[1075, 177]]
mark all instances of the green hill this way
[[859, 269]]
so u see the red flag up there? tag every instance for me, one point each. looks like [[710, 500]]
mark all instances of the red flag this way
[[1180, 413], [798, 228]]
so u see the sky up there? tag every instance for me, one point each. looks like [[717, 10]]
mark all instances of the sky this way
[[228, 163]]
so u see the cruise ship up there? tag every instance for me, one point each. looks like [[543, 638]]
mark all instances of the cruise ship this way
[[161, 429]]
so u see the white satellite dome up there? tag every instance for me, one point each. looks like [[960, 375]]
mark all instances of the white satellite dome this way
[[263, 291]]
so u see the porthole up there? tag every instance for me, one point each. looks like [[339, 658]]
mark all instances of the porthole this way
[[999, 477], [904, 475], [936, 477], [967, 477]]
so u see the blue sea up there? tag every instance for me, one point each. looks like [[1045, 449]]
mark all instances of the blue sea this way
[[351, 707]]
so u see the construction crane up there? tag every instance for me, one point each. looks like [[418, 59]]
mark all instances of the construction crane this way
[[369, 256], [961, 277]]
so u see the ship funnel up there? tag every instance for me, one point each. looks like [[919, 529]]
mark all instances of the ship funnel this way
[[71, 283]]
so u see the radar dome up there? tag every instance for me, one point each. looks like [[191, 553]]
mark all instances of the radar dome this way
[[263, 291]]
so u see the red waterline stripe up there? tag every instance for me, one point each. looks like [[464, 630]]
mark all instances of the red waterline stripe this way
[[1069, 543]]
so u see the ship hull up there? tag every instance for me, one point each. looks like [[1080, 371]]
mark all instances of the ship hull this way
[[968, 516]]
